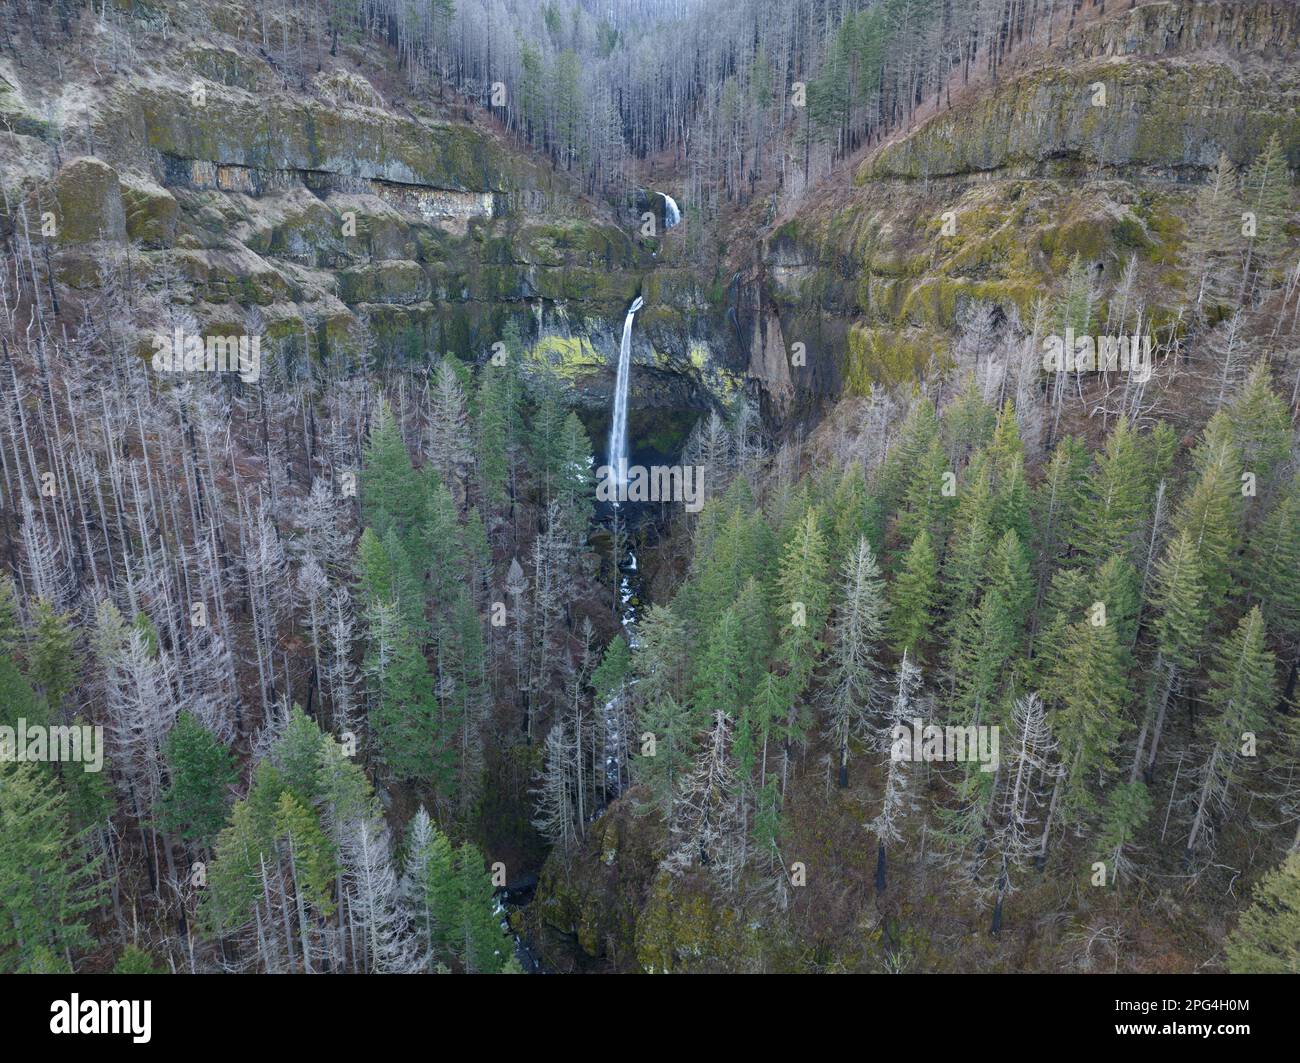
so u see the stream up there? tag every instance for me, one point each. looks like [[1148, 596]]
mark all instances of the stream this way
[[640, 521]]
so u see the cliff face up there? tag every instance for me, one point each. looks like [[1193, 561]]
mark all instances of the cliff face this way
[[327, 217], [342, 211], [1094, 145]]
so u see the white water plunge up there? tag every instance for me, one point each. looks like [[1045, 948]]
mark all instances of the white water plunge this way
[[671, 214], [618, 423]]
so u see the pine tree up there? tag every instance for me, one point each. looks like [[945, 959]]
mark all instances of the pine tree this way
[[1117, 497], [201, 772], [659, 661], [1088, 695], [1261, 428], [919, 431], [1267, 937], [306, 871], [661, 766], [1241, 692], [574, 481], [926, 508], [803, 597], [18, 701], [912, 598], [1210, 514], [389, 491], [1213, 233], [11, 628], [720, 675], [497, 412], [1127, 810], [481, 942], [47, 881], [610, 676], [1272, 559], [989, 636], [1179, 600], [1266, 192], [52, 657], [1060, 504], [405, 720]]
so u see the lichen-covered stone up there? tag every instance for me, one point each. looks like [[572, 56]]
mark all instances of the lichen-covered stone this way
[[151, 211], [398, 282], [89, 203]]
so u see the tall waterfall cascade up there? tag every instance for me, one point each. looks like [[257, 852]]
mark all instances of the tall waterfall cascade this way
[[671, 214], [618, 422]]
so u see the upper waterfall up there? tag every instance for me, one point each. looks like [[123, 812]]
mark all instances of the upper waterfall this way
[[671, 214]]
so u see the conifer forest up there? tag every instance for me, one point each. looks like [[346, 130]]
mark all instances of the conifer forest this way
[[649, 486]]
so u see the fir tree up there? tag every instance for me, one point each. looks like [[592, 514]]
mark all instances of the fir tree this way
[[1267, 937], [1241, 692], [481, 945], [200, 771], [912, 598], [47, 880]]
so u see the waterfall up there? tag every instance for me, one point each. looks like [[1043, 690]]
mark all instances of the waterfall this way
[[671, 214], [618, 423]]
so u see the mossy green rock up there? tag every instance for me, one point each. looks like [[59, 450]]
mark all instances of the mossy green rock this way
[[398, 282], [151, 212], [89, 203]]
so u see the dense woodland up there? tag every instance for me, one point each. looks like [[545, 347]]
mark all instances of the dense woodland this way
[[352, 632]]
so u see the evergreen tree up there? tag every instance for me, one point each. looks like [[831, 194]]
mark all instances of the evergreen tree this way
[[52, 657], [389, 486], [1088, 693], [1127, 810], [802, 599], [720, 676], [1211, 513], [481, 945], [1267, 937], [47, 882], [1179, 600], [430, 889], [1117, 497], [200, 771], [1213, 233], [668, 724], [912, 599], [1241, 693], [497, 412], [1266, 192], [1261, 428], [405, 722], [1272, 559]]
